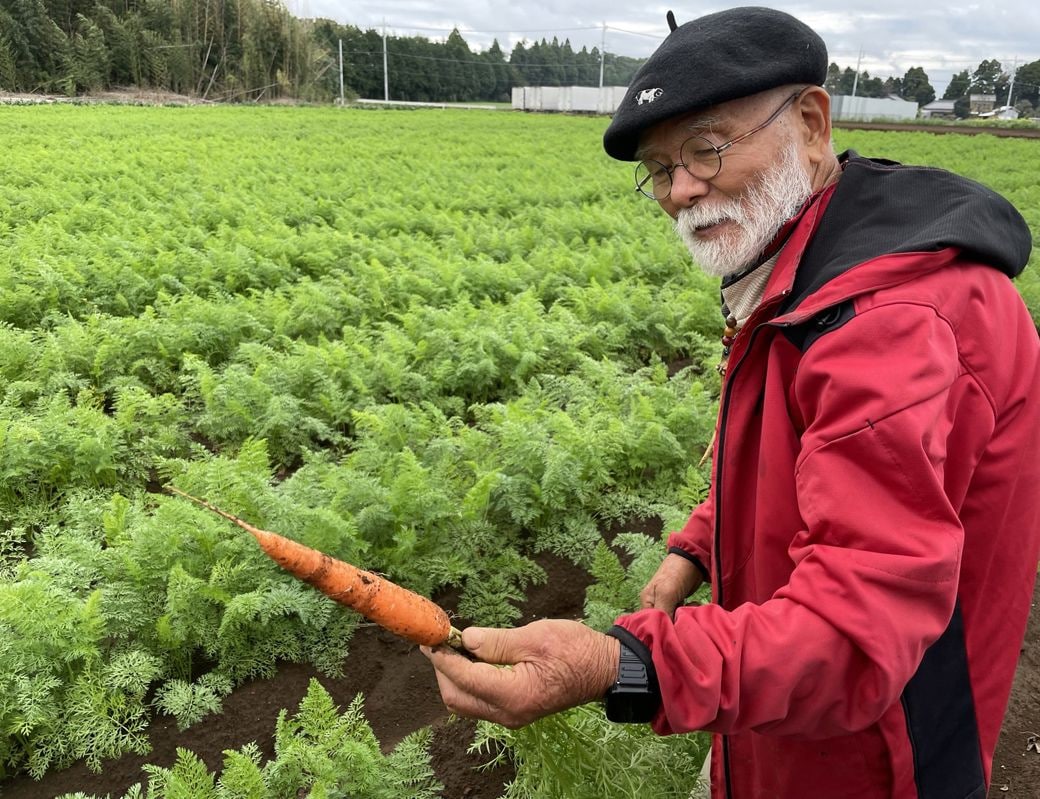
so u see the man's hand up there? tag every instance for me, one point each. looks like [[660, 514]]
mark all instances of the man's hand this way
[[555, 665], [675, 579]]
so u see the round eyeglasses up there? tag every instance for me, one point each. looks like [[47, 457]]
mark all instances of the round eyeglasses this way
[[700, 157]]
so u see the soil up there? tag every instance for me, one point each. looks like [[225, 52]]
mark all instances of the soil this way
[[1016, 763], [401, 696]]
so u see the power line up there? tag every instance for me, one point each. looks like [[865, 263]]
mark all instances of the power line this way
[[637, 33], [552, 31], [473, 61], [475, 30]]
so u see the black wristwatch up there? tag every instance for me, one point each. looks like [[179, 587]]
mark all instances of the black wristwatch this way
[[634, 698]]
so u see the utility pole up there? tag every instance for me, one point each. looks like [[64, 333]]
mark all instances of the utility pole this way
[[602, 54], [1011, 87], [386, 74], [855, 80], [341, 99]]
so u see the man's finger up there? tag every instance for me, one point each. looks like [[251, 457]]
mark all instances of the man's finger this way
[[473, 689], [460, 702]]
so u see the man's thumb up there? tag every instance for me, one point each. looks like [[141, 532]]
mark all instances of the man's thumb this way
[[489, 644]]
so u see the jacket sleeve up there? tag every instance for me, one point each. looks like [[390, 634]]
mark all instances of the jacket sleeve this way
[[693, 542], [874, 571]]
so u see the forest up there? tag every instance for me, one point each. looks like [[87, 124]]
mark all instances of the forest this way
[[257, 50], [238, 50]]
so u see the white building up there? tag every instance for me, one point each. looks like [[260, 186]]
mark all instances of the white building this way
[[864, 109], [587, 99]]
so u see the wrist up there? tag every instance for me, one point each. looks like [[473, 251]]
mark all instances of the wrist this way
[[608, 670]]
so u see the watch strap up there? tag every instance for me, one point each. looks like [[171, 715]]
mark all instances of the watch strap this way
[[635, 696]]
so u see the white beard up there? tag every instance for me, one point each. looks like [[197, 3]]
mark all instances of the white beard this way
[[759, 214]]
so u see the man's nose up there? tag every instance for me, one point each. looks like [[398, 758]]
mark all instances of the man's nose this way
[[687, 190]]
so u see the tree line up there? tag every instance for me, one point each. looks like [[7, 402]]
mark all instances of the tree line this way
[[256, 49], [988, 78], [217, 49], [253, 49]]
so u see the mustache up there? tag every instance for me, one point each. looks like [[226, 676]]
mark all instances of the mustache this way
[[690, 219]]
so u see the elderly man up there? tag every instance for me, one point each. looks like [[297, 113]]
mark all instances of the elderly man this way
[[872, 530]]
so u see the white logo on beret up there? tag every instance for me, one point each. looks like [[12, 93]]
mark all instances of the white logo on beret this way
[[648, 95]]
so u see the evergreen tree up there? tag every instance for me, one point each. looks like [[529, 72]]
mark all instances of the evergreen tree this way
[[1027, 83], [39, 47], [986, 78], [588, 66], [570, 64], [88, 58], [958, 86], [8, 69], [501, 85], [462, 83], [124, 57], [848, 81], [832, 83], [916, 86], [869, 87], [518, 60]]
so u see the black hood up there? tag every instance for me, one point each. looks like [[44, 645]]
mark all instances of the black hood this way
[[881, 207]]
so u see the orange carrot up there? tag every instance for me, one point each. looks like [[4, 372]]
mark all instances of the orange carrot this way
[[402, 612]]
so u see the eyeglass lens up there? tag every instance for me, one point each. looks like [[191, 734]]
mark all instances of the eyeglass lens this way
[[698, 156]]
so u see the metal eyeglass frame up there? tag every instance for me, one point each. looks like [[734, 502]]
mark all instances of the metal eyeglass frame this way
[[718, 149]]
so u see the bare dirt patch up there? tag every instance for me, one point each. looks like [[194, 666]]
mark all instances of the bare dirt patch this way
[[1016, 763]]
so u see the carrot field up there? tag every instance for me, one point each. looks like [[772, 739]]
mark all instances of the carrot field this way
[[440, 345]]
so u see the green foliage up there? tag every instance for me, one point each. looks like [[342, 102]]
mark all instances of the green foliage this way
[[616, 587], [338, 755], [436, 379], [89, 57], [56, 691], [319, 752], [916, 86], [578, 754], [191, 702]]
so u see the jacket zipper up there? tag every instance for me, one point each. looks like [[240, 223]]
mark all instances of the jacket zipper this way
[[723, 416], [719, 446]]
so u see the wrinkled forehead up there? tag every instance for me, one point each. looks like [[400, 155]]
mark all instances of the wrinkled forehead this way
[[665, 137], [716, 123]]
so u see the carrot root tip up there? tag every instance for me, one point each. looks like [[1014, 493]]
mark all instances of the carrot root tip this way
[[455, 638]]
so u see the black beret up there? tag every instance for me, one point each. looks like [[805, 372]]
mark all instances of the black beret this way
[[718, 57]]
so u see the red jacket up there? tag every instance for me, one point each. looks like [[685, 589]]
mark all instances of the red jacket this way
[[873, 527]]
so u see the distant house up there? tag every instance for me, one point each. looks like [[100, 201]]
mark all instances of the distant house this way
[[981, 103], [939, 109]]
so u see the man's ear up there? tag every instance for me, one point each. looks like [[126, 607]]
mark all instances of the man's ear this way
[[814, 106]]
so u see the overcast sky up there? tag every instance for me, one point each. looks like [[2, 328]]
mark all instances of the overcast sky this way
[[943, 36]]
